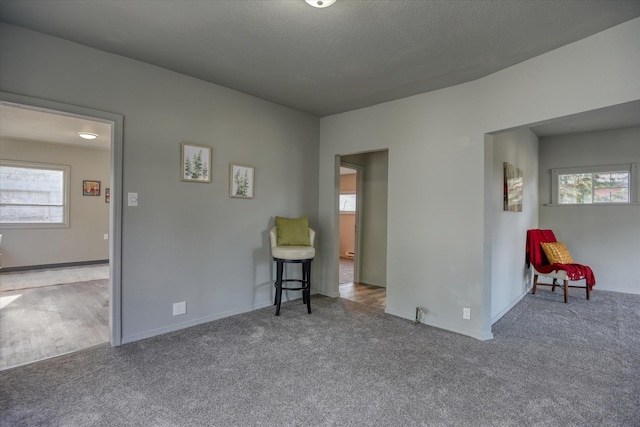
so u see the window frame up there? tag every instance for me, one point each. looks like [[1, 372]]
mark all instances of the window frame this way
[[355, 209], [631, 168], [66, 173]]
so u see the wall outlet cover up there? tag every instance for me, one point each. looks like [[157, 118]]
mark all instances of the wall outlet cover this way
[[179, 308]]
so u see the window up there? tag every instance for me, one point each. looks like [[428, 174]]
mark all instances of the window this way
[[594, 185], [33, 194], [347, 202]]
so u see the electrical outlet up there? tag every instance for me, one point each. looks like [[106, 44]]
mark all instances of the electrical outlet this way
[[132, 199], [179, 308], [466, 313]]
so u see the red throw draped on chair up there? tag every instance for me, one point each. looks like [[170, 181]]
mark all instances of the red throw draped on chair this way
[[535, 255]]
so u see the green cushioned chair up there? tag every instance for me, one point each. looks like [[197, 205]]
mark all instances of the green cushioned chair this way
[[292, 243]]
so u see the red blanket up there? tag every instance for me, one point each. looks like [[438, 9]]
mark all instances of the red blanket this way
[[535, 255]]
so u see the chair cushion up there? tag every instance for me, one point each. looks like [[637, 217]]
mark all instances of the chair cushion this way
[[557, 253], [293, 231], [293, 252]]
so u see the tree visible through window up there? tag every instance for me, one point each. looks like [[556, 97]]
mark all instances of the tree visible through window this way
[[600, 187], [32, 193]]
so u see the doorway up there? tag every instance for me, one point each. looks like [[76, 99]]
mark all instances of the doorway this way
[[362, 212], [350, 207], [83, 291]]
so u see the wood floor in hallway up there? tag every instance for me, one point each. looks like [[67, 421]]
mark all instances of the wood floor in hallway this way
[[373, 296]]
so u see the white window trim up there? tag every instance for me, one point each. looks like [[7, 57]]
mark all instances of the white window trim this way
[[353, 212], [634, 183], [66, 171]]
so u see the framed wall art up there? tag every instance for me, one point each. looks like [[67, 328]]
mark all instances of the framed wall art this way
[[241, 181], [513, 188], [195, 163], [90, 188]]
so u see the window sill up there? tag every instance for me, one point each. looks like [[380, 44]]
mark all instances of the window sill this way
[[555, 205], [23, 226]]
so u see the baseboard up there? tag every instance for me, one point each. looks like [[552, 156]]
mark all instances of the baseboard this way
[[446, 327], [60, 265], [509, 307], [193, 322], [201, 320]]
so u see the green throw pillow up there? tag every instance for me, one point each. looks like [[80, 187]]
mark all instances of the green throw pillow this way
[[293, 231]]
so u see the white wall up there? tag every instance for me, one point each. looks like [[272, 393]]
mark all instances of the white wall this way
[[606, 238], [509, 274], [439, 236], [83, 240], [185, 241]]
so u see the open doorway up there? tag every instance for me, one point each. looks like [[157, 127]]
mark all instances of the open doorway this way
[[350, 200], [363, 228], [56, 285]]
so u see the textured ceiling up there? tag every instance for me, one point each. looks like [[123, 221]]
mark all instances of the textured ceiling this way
[[353, 54]]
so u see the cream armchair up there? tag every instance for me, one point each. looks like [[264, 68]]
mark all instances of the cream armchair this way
[[297, 255]]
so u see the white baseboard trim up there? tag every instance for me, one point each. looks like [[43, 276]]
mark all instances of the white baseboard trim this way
[[193, 322], [206, 319], [439, 325], [330, 294], [509, 307]]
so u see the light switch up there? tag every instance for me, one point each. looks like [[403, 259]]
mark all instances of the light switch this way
[[133, 199]]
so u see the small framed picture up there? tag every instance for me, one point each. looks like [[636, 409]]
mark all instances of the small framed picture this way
[[195, 163], [241, 180], [107, 195], [90, 188], [513, 188]]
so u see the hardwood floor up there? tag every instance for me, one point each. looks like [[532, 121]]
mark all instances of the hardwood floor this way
[[346, 270], [373, 296], [49, 321]]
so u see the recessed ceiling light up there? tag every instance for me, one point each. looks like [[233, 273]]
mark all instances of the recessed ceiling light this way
[[87, 135], [320, 3]]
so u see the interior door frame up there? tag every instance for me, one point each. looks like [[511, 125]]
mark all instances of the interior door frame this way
[[115, 182], [357, 259]]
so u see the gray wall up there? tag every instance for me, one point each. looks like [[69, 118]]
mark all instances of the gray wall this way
[[191, 242], [607, 238], [185, 241], [439, 238], [510, 278], [373, 268], [83, 240], [374, 221]]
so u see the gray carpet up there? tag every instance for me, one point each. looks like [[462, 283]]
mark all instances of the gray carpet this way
[[550, 364]]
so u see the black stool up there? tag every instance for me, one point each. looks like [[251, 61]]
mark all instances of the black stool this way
[[292, 255], [305, 282]]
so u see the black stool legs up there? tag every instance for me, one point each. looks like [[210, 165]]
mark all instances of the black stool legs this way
[[305, 282]]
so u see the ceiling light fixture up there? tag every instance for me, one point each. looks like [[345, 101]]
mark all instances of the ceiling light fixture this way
[[320, 3], [87, 135]]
